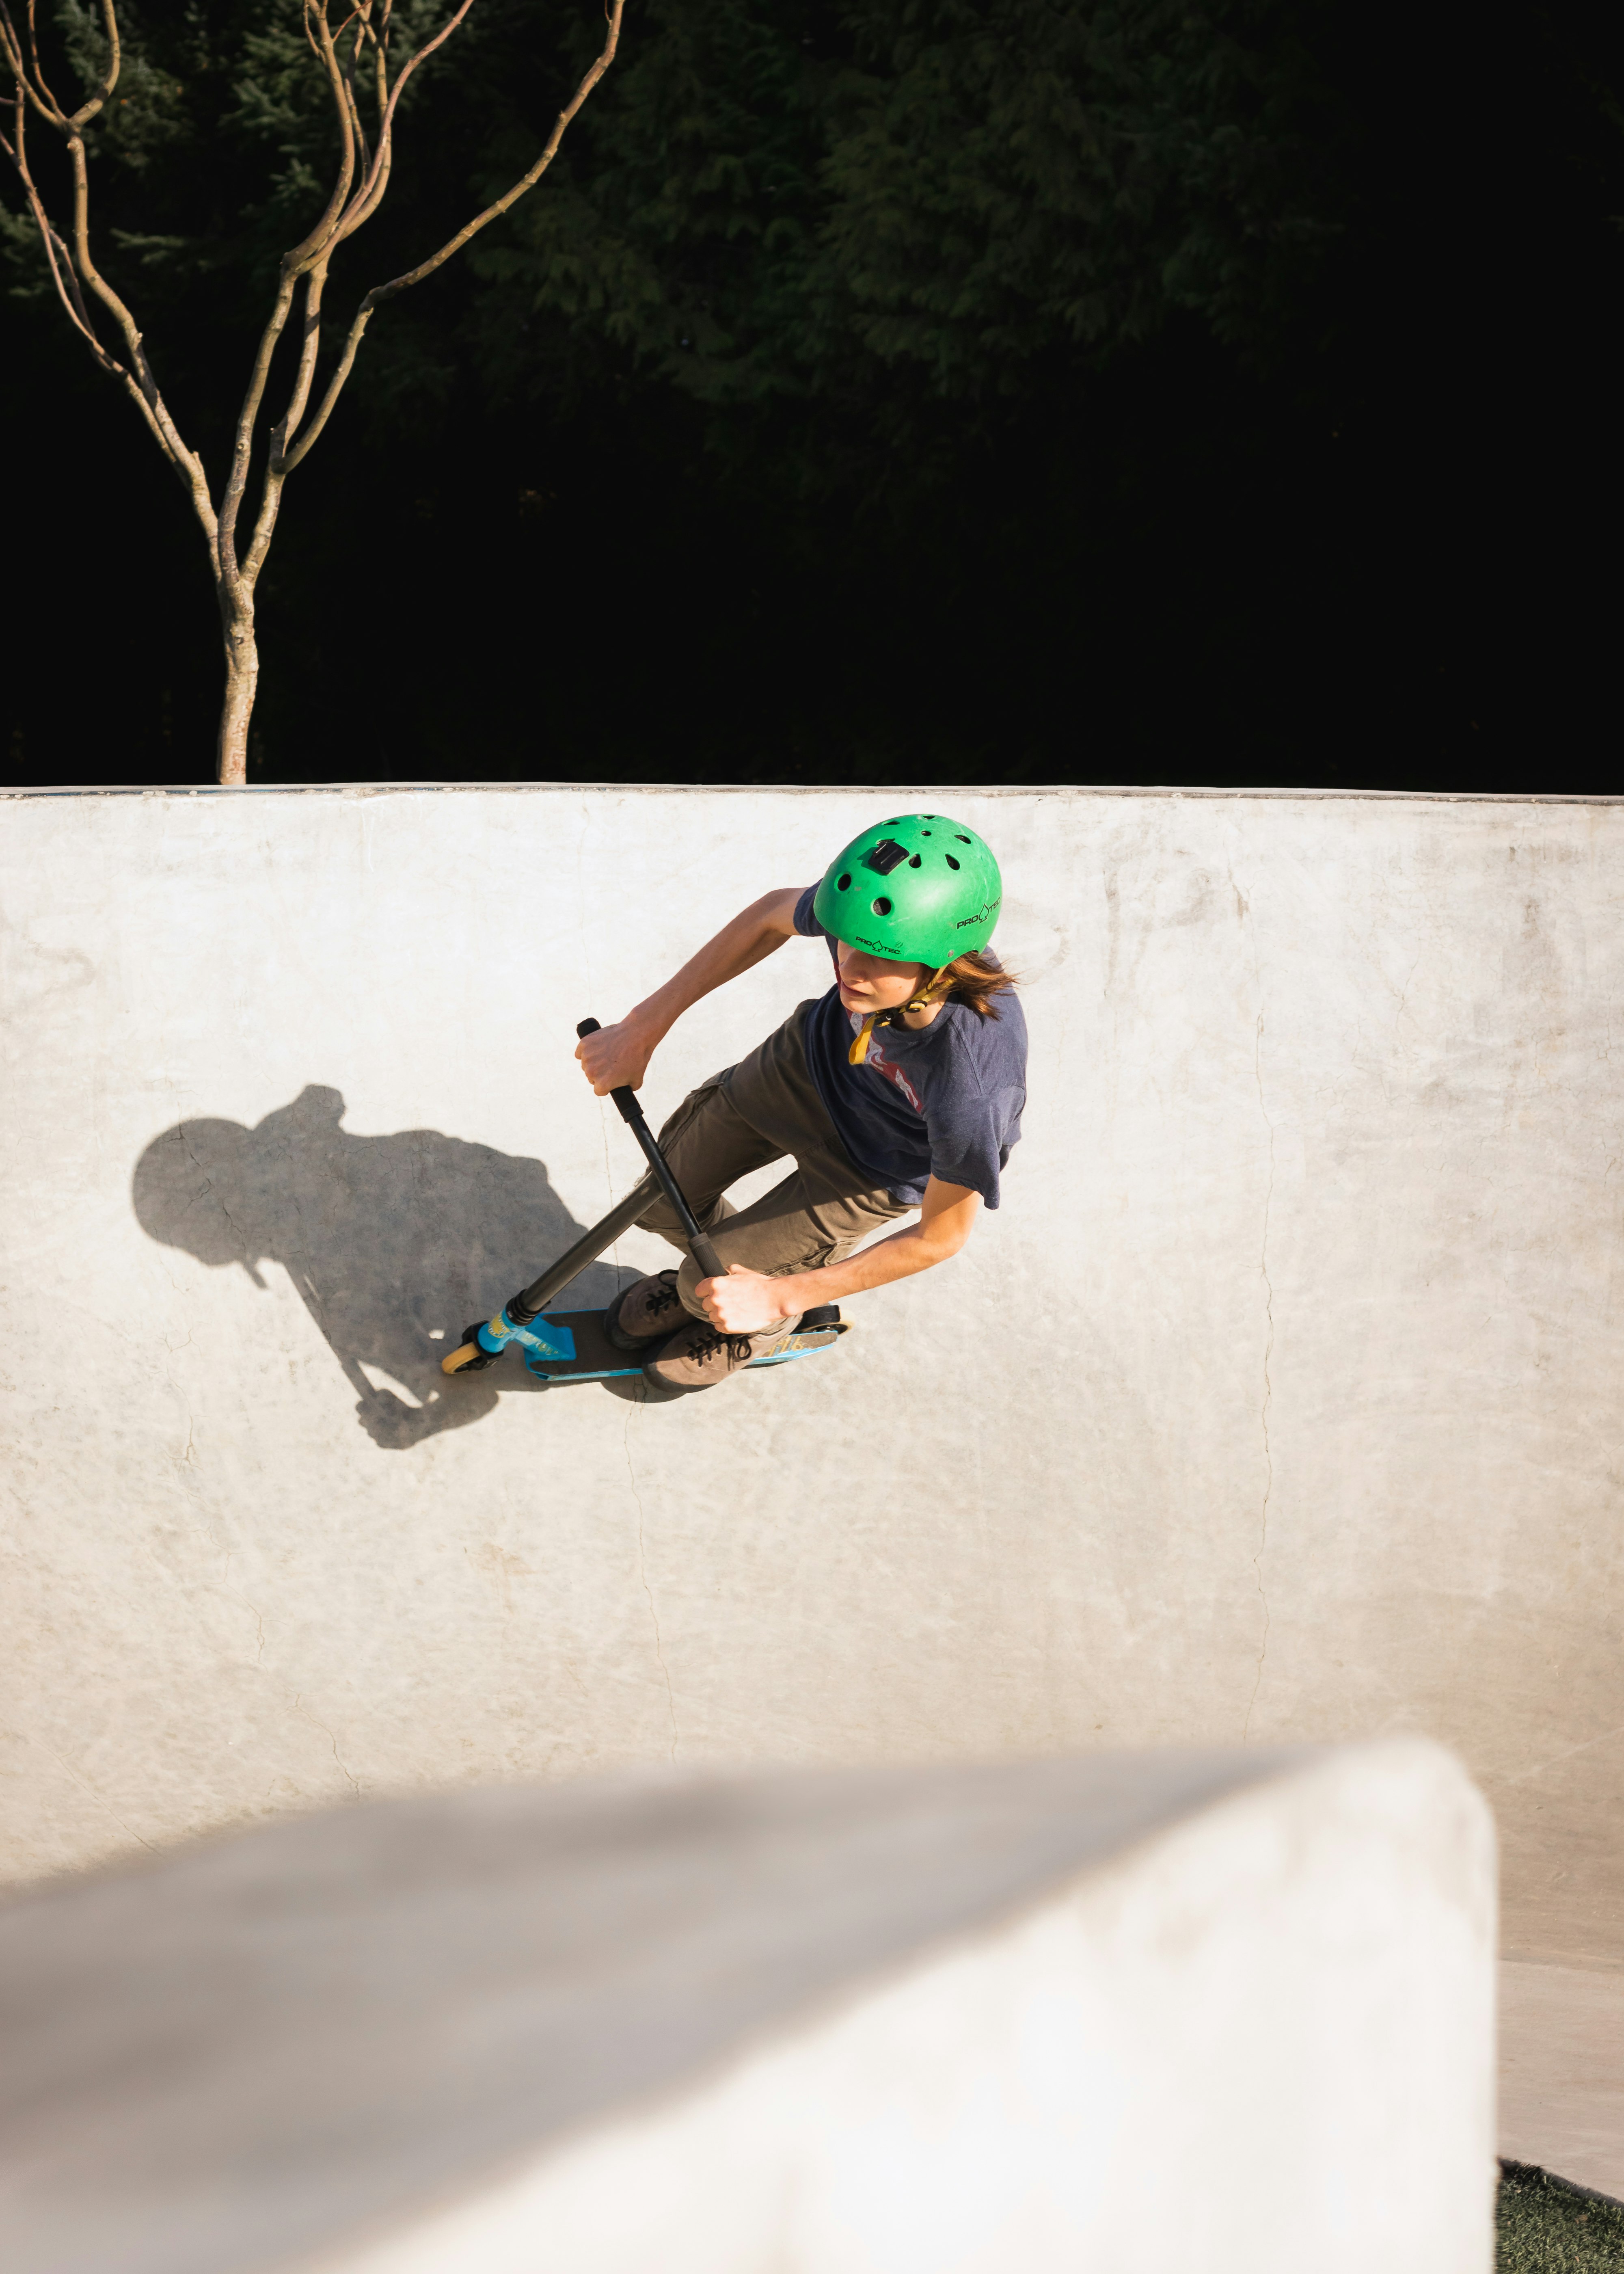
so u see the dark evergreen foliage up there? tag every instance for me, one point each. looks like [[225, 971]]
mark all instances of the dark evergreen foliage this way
[[784, 202], [1202, 390]]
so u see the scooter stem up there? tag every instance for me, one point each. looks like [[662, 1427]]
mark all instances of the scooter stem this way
[[626, 1104]]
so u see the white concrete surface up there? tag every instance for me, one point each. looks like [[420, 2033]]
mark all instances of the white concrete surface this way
[[1562, 2072], [1279, 1402], [1126, 2014]]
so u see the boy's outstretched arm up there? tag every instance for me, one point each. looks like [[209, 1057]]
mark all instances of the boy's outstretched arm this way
[[746, 1302], [620, 1054]]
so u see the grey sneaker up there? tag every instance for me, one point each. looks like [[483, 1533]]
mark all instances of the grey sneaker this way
[[699, 1355], [645, 1313]]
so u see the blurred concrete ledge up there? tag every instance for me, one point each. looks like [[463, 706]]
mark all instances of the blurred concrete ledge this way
[[1125, 2012]]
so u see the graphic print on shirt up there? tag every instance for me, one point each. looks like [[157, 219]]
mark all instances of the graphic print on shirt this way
[[892, 1071]]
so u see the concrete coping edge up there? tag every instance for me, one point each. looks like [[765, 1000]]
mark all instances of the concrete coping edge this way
[[1077, 790]]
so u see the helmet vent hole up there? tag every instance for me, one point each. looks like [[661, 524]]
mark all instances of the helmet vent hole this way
[[951, 862], [964, 840], [914, 864], [843, 884], [882, 907]]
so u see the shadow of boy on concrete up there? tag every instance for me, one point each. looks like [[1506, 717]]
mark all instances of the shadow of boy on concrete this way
[[394, 1243]]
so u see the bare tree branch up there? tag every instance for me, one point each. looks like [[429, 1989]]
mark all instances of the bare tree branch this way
[[379, 293], [186, 462], [295, 264], [357, 126], [44, 103], [369, 196], [342, 53], [61, 263], [380, 63], [89, 109], [314, 286], [33, 50], [309, 245], [57, 253], [276, 474]]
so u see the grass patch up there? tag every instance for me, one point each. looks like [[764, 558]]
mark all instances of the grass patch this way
[[1543, 2225]]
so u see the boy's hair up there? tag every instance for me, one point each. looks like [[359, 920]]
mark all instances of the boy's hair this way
[[976, 980]]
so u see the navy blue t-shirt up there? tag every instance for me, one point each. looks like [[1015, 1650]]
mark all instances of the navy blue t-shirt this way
[[945, 1101]]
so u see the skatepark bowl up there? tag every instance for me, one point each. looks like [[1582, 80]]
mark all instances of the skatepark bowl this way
[[1011, 1792]]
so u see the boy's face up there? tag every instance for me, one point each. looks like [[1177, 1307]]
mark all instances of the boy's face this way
[[868, 982]]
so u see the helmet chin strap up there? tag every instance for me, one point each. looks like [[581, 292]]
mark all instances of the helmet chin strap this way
[[932, 991]]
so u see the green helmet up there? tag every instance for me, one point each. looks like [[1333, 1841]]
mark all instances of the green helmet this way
[[919, 889]]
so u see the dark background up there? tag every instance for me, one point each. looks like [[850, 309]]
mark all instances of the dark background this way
[[988, 394]]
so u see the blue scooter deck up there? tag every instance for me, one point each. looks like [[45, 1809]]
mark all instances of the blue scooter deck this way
[[572, 1346]]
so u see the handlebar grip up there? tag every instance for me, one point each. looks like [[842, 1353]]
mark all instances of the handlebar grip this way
[[625, 1098], [708, 1262]]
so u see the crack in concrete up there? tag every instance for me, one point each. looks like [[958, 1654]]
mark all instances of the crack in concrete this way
[[300, 1708], [258, 1616], [226, 1555], [1403, 996], [643, 1573], [208, 1186], [1268, 1386], [1539, 1768], [101, 1799]]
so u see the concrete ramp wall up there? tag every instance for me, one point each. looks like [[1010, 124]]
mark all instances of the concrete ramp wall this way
[[1279, 1402], [1121, 2013]]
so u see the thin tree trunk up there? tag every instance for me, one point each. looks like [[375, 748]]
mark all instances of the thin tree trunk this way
[[237, 706]]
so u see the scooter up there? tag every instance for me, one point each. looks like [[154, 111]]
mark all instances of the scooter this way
[[573, 1346]]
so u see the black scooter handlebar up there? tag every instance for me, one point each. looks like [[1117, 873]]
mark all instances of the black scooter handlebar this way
[[625, 1100]]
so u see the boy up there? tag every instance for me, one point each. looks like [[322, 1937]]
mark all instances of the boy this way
[[901, 1088]]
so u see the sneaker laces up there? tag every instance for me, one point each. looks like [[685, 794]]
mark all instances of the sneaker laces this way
[[661, 1296], [739, 1347]]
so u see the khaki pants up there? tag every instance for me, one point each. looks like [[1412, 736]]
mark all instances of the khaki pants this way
[[763, 1109]]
